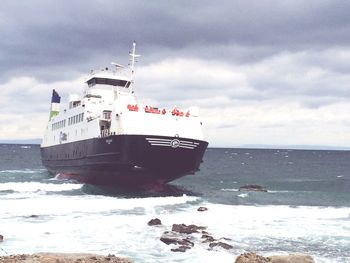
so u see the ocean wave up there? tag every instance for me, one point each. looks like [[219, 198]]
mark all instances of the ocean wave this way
[[24, 171], [280, 191], [269, 191], [265, 229], [52, 205], [37, 187], [229, 190]]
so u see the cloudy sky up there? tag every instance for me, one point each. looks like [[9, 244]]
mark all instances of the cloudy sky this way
[[262, 72]]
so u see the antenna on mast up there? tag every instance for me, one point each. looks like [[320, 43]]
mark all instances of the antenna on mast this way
[[117, 65], [133, 60]]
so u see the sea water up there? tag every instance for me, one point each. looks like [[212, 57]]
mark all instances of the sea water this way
[[306, 208]]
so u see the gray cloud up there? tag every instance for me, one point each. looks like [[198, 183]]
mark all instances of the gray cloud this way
[[259, 65], [41, 37]]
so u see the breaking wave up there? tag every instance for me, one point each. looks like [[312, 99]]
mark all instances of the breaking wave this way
[[37, 187]]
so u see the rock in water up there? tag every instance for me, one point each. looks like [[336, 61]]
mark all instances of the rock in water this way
[[182, 228], [252, 187], [173, 238], [207, 238], [1, 238], [180, 249], [201, 209], [292, 258], [170, 238], [154, 222], [220, 244]]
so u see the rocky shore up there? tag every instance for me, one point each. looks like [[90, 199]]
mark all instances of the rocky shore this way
[[62, 258], [252, 257], [92, 258]]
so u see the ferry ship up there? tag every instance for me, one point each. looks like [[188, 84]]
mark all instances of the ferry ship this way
[[106, 136]]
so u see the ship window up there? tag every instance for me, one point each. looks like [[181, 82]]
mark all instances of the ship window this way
[[76, 103], [107, 115], [112, 82]]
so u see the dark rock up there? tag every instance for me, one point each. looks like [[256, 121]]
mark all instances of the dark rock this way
[[201, 209], [186, 242], [182, 228], [252, 187], [1, 238], [225, 238], [169, 238], [207, 238], [154, 222], [220, 244], [251, 257], [173, 238], [180, 249]]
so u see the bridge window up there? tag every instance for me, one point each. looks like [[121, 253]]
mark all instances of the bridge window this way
[[112, 82]]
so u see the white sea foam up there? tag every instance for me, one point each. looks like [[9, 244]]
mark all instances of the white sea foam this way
[[105, 225], [61, 205], [243, 195], [280, 191], [36, 187], [229, 190], [24, 171]]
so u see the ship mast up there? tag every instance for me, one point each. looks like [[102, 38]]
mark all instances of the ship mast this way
[[133, 61]]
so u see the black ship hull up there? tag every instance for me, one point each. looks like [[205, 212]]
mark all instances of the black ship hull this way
[[125, 159]]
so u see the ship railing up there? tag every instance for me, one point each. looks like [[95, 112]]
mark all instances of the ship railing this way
[[106, 133]]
